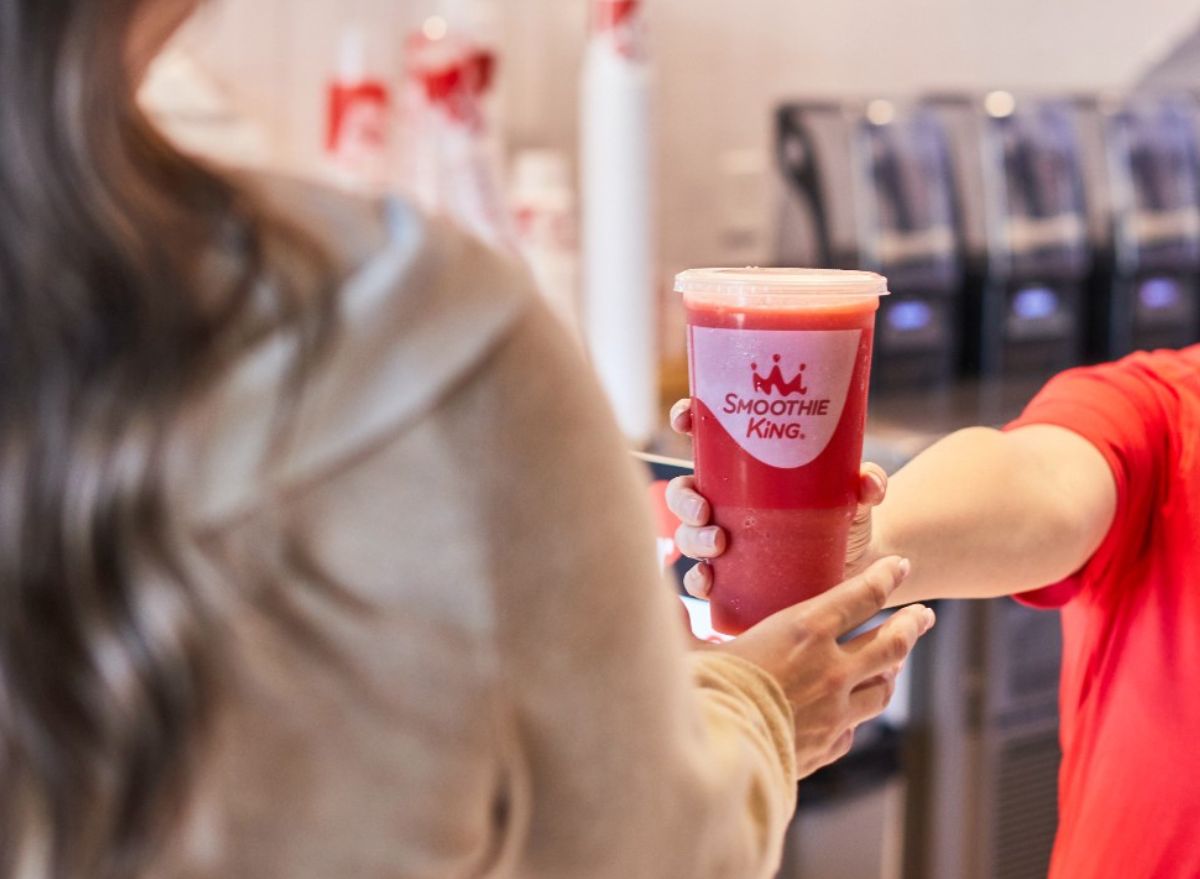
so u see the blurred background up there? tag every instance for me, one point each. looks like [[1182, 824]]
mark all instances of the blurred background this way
[[722, 191], [1026, 173], [721, 69]]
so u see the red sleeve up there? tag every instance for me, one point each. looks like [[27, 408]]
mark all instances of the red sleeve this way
[[1120, 409]]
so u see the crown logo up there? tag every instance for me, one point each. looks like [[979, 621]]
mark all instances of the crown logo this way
[[775, 381]]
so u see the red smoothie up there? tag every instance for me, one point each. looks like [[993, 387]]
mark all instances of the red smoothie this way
[[780, 365]]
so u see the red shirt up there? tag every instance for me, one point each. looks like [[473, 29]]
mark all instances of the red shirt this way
[[1129, 787]]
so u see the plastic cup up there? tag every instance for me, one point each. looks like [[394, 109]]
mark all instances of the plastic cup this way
[[780, 363]]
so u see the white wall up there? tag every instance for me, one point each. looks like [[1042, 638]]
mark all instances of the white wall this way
[[723, 64]]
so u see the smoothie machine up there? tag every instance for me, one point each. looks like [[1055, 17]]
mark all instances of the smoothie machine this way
[[1023, 223], [867, 185], [1144, 203]]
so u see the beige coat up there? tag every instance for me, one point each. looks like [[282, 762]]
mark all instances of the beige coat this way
[[524, 704]]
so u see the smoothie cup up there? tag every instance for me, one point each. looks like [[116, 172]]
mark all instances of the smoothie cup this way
[[780, 363]]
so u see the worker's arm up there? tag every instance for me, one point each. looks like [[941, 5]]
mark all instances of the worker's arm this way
[[980, 514], [984, 513]]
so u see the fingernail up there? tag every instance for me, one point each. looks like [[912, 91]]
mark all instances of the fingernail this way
[[930, 619], [697, 586], [707, 538], [877, 480], [694, 508], [905, 568]]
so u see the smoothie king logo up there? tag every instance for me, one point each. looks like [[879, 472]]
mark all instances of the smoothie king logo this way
[[783, 413], [776, 419]]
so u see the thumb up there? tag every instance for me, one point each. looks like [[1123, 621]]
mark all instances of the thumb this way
[[681, 417], [872, 485], [872, 488]]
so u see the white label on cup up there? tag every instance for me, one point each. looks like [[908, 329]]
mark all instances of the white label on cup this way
[[779, 393]]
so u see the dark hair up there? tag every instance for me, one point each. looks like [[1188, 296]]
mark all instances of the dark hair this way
[[130, 276]]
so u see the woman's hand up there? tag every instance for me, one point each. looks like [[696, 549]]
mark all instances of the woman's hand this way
[[698, 539], [834, 687]]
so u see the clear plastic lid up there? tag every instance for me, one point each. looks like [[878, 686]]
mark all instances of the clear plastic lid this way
[[775, 288]]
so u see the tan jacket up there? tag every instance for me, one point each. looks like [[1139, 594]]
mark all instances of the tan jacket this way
[[523, 703]]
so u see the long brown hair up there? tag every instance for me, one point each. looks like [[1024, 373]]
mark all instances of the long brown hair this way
[[129, 276]]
